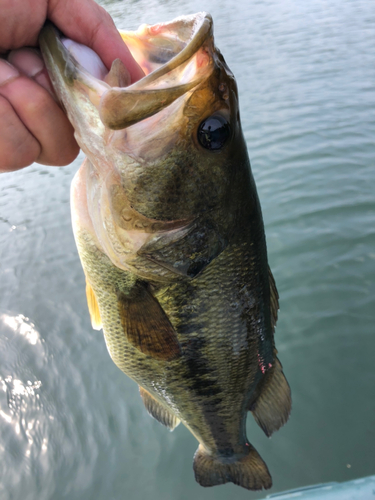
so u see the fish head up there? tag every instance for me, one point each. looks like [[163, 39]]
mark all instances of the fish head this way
[[164, 149]]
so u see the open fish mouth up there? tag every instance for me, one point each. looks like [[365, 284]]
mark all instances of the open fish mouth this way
[[174, 56]]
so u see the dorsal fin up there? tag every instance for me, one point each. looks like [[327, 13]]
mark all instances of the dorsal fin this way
[[158, 411], [92, 303], [146, 325]]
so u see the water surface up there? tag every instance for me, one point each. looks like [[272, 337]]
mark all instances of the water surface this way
[[71, 424]]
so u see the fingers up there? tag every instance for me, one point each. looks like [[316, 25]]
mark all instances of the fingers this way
[[33, 126], [82, 20], [29, 62], [88, 23], [18, 148]]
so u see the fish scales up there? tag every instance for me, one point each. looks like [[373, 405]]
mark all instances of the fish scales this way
[[199, 385], [169, 231]]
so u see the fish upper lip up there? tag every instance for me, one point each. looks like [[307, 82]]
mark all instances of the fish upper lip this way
[[199, 37]]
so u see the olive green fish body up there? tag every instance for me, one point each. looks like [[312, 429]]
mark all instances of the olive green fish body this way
[[170, 234]]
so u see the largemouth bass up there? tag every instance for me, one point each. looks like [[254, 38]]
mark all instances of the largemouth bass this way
[[169, 230]]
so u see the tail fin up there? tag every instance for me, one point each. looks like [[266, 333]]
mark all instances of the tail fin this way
[[249, 472]]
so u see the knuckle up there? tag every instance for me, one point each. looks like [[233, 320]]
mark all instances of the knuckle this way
[[59, 148], [58, 157], [39, 104]]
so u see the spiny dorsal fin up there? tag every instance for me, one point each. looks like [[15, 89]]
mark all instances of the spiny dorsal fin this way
[[158, 411], [92, 303], [274, 299], [146, 325], [272, 407], [249, 471]]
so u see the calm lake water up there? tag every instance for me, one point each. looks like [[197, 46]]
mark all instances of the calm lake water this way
[[72, 426]]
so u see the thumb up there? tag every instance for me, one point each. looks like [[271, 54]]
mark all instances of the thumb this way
[[88, 23]]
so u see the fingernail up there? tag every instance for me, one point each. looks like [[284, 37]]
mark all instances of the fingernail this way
[[7, 72], [27, 60]]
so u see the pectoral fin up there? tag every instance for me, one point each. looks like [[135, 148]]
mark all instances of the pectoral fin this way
[[158, 411], [92, 303], [146, 325]]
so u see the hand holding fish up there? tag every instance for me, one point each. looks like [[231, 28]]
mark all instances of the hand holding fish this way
[[33, 125]]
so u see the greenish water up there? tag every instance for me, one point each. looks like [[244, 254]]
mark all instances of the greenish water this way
[[71, 424]]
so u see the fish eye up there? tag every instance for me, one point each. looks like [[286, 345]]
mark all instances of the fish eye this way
[[213, 132]]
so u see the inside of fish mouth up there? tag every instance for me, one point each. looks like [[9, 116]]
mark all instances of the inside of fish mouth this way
[[118, 75], [152, 55], [90, 60]]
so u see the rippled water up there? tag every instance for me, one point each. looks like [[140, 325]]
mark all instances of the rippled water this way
[[71, 424]]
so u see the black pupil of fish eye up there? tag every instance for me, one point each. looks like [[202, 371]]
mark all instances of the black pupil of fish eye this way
[[213, 132]]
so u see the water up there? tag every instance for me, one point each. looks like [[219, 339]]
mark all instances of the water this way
[[71, 424]]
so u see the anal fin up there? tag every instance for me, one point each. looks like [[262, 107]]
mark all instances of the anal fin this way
[[158, 411], [92, 303], [146, 325], [271, 408]]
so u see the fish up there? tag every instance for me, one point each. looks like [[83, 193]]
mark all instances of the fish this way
[[170, 234]]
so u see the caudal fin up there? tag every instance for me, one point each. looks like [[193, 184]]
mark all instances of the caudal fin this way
[[249, 472]]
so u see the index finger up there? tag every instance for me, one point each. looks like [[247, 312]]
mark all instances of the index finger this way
[[88, 23]]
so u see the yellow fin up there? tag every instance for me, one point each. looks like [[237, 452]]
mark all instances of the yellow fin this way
[[92, 303]]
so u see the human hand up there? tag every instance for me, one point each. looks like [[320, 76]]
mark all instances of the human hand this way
[[33, 127]]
